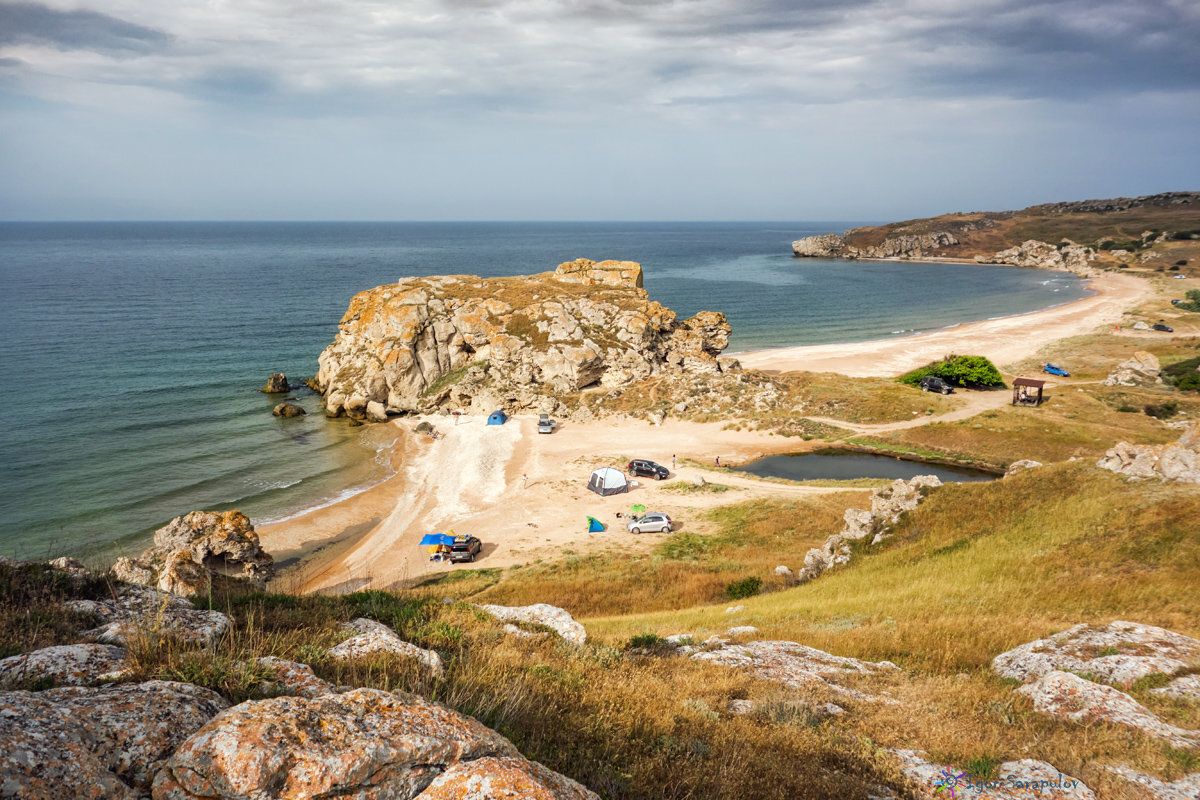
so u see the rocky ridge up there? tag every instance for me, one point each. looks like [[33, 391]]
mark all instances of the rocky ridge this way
[[909, 246], [1178, 461], [475, 344]]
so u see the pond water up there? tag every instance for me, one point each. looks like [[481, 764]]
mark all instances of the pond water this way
[[849, 464]]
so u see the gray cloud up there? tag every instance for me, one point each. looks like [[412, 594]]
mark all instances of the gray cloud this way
[[22, 23]]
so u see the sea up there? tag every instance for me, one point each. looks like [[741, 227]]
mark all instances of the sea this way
[[133, 352]]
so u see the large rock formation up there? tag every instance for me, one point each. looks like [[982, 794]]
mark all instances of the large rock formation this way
[[193, 550], [1032, 253], [1140, 368], [474, 344], [908, 246], [1179, 461]]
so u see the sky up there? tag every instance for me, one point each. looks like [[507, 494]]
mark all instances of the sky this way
[[590, 109]]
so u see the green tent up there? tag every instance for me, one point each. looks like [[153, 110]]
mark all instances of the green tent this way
[[595, 525]]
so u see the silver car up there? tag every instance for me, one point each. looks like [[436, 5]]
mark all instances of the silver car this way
[[654, 521]]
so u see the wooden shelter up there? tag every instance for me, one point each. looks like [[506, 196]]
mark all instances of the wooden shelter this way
[[1027, 392]]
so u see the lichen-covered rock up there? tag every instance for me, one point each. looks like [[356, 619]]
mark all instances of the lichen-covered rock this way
[[793, 665], [552, 617], [1186, 687], [365, 744], [1119, 653], [1063, 694], [1026, 779], [1185, 788], [65, 665], [374, 638], [95, 743], [277, 383], [501, 778], [139, 612], [1179, 461], [472, 343], [1021, 466], [1140, 368], [292, 677], [192, 551]]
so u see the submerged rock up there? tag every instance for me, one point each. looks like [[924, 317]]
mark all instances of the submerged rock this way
[[288, 410]]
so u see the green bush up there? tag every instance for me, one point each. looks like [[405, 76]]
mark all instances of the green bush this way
[[1183, 374], [973, 371], [747, 587], [1162, 410], [1193, 301]]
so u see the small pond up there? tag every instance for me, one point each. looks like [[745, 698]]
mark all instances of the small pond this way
[[850, 464]]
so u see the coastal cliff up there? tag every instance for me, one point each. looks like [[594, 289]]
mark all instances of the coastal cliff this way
[[474, 344], [1081, 237]]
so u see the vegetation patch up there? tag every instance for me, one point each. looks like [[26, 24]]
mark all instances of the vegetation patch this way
[[976, 372]]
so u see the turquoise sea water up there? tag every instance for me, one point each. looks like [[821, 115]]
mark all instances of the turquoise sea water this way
[[133, 350]]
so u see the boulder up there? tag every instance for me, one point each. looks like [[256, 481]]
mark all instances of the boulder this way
[[193, 550], [1141, 368], [1185, 788], [138, 612], [288, 410], [277, 383], [785, 573], [552, 617], [1021, 466], [503, 778], [65, 665], [793, 665], [365, 744], [1026, 779], [1186, 687], [291, 678], [1179, 461], [376, 411], [101, 743], [374, 638], [742, 630], [1063, 694], [1118, 653], [67, 564]]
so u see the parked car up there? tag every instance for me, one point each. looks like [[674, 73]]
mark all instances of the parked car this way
[[546, 424], [1158, 326], [640, 466], [1053, 370], [654, 521], [465, 548], [932, 383]]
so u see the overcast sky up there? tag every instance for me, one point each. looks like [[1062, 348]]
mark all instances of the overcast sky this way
[[590, 109]]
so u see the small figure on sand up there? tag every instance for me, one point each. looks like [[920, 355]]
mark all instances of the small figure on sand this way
[[672, 461], [457, 414], [718, 461], [524, 479]]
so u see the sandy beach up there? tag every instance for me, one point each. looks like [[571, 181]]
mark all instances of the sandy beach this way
[[524, 494]]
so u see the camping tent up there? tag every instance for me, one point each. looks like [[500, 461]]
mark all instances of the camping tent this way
[[498, 417], [606, 481], [595, 525]]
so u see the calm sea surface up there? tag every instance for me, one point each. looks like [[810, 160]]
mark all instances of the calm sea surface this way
[[133, 351]]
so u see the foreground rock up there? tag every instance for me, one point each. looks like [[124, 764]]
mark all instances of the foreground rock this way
[[1063, 694], [794, 665], [365, 744], [552, 617], [476, 344], [95, 743], [277, 383], [1140, 368], [292, 678], [139, 613], [887, 504], [374, 638], [193, 551], [1179, 461], [1185, 788], [1118, 653], [1026, 779], [65, 665]]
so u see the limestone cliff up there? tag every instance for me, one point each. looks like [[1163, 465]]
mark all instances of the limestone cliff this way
[[906, 247], [475, 344]]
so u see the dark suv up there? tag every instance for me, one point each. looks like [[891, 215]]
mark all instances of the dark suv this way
[[465, 548], [640, 466], [932, 383]]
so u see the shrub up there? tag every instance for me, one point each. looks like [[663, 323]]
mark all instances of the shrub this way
[[974, 371], [1183, 374], [1162, 410], [1193, 301], [747, 587]]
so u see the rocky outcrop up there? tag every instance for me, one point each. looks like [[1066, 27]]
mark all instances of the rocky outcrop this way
[[791, 664], [192, 551], [1140, 368], [1021, 466], [65, 665], [476, 344], [288, 410], [361, 744], [277, 383], [374, 637], [1185, 788], [1063, 694], [1118, 653], [887, 504], [1032, 253], [1026, 779], [551, 617], [291, 678], [1186, 687], [908, 246], [104, 743], [1179, 461], [138, 613]]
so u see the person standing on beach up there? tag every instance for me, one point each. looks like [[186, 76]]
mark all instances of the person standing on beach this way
[[524, 479], [672, 462], [718, 461]]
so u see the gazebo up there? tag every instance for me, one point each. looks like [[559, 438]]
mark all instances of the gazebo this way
[[1027, 392]]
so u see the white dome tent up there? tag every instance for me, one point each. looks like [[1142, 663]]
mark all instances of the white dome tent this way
[[606, 481]]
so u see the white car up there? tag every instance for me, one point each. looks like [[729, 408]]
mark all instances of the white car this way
[[654, 521], [546, 424]]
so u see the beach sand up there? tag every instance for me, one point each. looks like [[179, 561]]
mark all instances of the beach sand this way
[[524, 494]]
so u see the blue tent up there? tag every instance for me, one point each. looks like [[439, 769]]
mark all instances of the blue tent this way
[[498, 417], [436, 539], [595, 525]]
